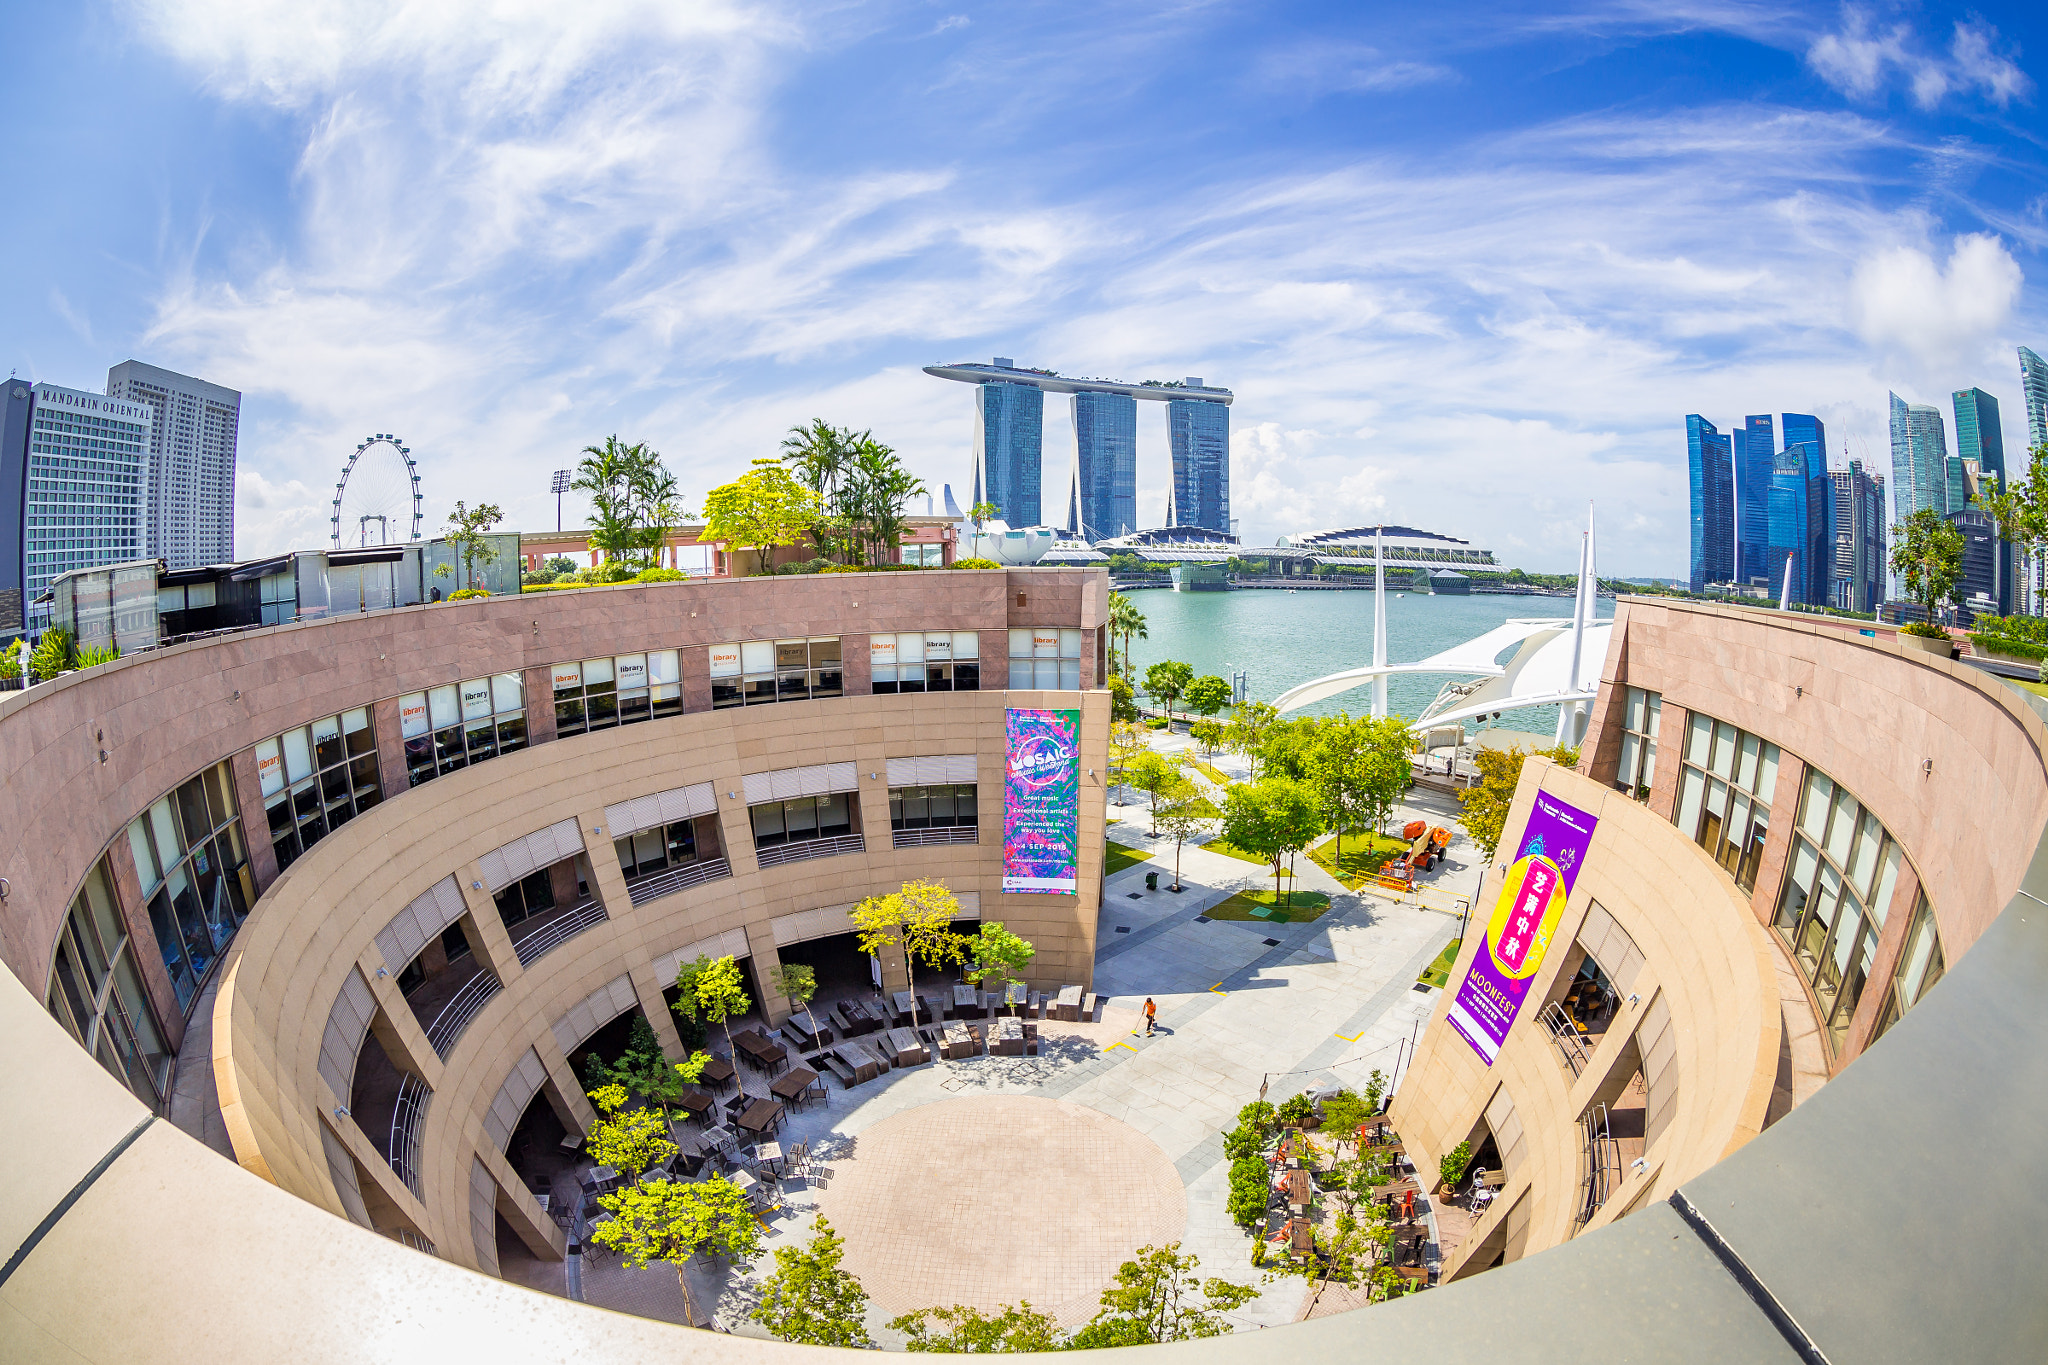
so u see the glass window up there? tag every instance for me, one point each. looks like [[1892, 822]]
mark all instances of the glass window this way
[[450, 727], [1920, 966], [757, 672], [803, 819], [96, 992], [198, 890], [1638, 771], [343, 782]]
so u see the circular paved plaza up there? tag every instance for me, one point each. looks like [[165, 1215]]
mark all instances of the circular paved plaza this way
[[991, 1199]]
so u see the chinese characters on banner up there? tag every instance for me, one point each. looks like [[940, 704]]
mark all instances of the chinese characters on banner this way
[[1042, 801], [1532, 900]]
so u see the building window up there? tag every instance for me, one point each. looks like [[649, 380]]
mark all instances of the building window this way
[[931, 556], [1920, 966], [667, 846], [1838, 889], [315, 779], [452, 727], [925, 661], [1045, 657], [1642, 711], [755, 672], [531, 895], [597, 694], [804, 819], [96, 992], [1724, 795], [194, 875]]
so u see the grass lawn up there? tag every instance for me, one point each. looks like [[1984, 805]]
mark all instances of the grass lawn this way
[[2038, 689], [1219, 844], [1438, 973], [1120, 858], [1210, 771], [1364, 851], [1302, 907]]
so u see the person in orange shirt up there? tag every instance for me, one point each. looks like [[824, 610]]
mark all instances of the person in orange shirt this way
[[1151, 1016]]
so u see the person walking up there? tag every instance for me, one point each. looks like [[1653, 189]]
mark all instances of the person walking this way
[[1151, 1016]]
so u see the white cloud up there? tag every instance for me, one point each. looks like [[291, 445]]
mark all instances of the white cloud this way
[[1321, 68], [1861, 60], [1941, 319]]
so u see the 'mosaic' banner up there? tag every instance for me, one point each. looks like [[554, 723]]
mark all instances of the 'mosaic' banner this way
[[1042, 802], [1524, 918]]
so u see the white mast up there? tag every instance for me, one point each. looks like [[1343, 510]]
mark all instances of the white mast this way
[[1584, 600], [1785, 588], [1379, 626]]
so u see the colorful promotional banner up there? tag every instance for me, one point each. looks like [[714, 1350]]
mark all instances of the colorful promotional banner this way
[[1524, 919], [1042, 801]]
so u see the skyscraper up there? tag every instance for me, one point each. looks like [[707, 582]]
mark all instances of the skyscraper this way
[[1802, 512], [1754, 448], [1198, 430], [1711, 473], [73, 478], [191, 500], [1009, 435], [1919, 458], [1105, 464], [1859, 539], [2034, 384], [1979, 435]]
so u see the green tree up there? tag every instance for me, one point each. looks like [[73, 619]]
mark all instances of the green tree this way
[[1273, 817], [997, 954], [1208, 736], [1166, 681], [1336, 774], [876, 490], [1388, 773], [1485, 803], [467, 527], [918, 919], [810, 1299], [673, 1220], [759, 511], [605, 473], [2021, 508], [1207, 695], [819, 453], [559, 565], [1121, 705], [627, 1140], [1126, 745], [1927, 555], [1126, 622], [1245, 732], [982, 513], [1151, 774], [1012, 1328], [798, 984], [1157, 1297], [1286, 744], [716, 988], [1186, 814]]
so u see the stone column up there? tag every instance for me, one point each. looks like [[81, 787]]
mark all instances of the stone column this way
[[390, 747], [1670, 750], [398, 1030], [854, 669], [539, 686], [520, 1209], [1770, 872], [484, 927], [1884, 964], [143, 948], [255, 820], [647, 988]]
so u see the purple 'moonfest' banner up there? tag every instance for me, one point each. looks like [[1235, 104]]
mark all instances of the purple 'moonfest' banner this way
[[1524, 919]]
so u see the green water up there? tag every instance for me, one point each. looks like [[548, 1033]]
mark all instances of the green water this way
[[1286, 638]]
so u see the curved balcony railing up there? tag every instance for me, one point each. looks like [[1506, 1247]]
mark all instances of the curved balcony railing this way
[[460, 1009], [408, 1118], [925, 838], [654, 887], [778, 854], [544, 938]]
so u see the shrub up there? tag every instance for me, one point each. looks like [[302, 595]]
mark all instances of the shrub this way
[[1453, 1163], [465, 594], [2008, 644], [1248, 1192], [1924, 628], [551, 587], [1155, 723], [2030, 628], [975, 562], [1295, 1111], [805, 566], [660, 576]]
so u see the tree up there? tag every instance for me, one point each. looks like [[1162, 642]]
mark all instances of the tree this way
[[1927, 554], [810, 1299], [558, 565], [1121, 706], [1336, 773], [819, 453], [1486, 802], [716, 988], [645, 1070], [1151, 773], [1187, 814], [1207, 695], [1388, 773], [1273, 817], [2021, 509], [1012, 1328], [627, 1140], [1208, 735], [799, 985], [1246, 729], [673, 1220], [1285, 746], [1125, 622], [873, 494], [997, 953], [759, 511], [1154, 1300], [467, 528], [919, 919], [1165, 682], [1126, 745]]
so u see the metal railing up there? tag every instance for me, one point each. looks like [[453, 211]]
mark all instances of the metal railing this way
[[1602, 1157], [1570, 1046], [407, 1237], [537, 942], [779, 854], [460, 1009], [408, 1118], [667, 883], [923, 838]]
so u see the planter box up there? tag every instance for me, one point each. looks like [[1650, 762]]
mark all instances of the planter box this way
[[1944, 648], [1999, 656]]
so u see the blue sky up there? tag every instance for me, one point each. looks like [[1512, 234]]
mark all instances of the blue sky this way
[[1465, 267]]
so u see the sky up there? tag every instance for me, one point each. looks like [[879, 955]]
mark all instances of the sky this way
[[1465, 268]]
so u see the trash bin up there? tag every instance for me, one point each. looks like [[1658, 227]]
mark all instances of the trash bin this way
[[1151, 881]]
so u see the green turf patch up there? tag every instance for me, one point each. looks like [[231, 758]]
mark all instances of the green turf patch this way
[[1364, 852], [1219, 844], [1301, 907], [1118, 858], [1438, 973], [1210, 771]]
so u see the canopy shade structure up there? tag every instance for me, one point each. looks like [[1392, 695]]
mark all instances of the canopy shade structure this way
[[1535, 675]]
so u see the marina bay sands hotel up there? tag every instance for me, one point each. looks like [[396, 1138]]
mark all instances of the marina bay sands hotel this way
[[1101, 493]]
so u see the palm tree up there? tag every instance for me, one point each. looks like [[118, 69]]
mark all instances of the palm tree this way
[[605, 472], [1127, 621], [885, 488], [819, 454]]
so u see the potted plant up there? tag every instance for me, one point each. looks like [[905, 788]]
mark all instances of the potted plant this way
[[1451, 1168], [1927, 638]]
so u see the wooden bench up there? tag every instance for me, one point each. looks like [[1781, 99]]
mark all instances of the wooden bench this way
[[1091, 1012]]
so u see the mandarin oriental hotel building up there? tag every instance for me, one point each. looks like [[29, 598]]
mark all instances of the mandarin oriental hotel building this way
[[313, 930]]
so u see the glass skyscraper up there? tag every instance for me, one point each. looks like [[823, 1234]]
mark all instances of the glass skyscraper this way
[[85, 461], [1919, 458], [2034, 384], [1802, 512], [1009, 436], [1711, 473], [1979, 436], [1105, 465], [1754, 448], [1199, 432]]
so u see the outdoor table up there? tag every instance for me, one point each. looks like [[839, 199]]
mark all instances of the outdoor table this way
[[769, 1154], [761, 1116], [719, 1139], [763, 1052], [1007, 1038], [1015, 994], [792, 1083], [966, 998], [902, 1002], [1069, 1004], [1492, 1180], [959, 1042], [718, 1071], [1299, 1190], [695, 1101], [859, 1015], [905, 1046]]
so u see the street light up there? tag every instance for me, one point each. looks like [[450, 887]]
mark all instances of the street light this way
[[561, 487]]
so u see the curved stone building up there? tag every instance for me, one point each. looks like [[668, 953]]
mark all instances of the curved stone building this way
[[354, 891]]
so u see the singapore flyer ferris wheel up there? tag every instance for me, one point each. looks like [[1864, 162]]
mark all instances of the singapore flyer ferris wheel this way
[[377, 499]]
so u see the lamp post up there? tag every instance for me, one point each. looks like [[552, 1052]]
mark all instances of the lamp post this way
[[561, 486]]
